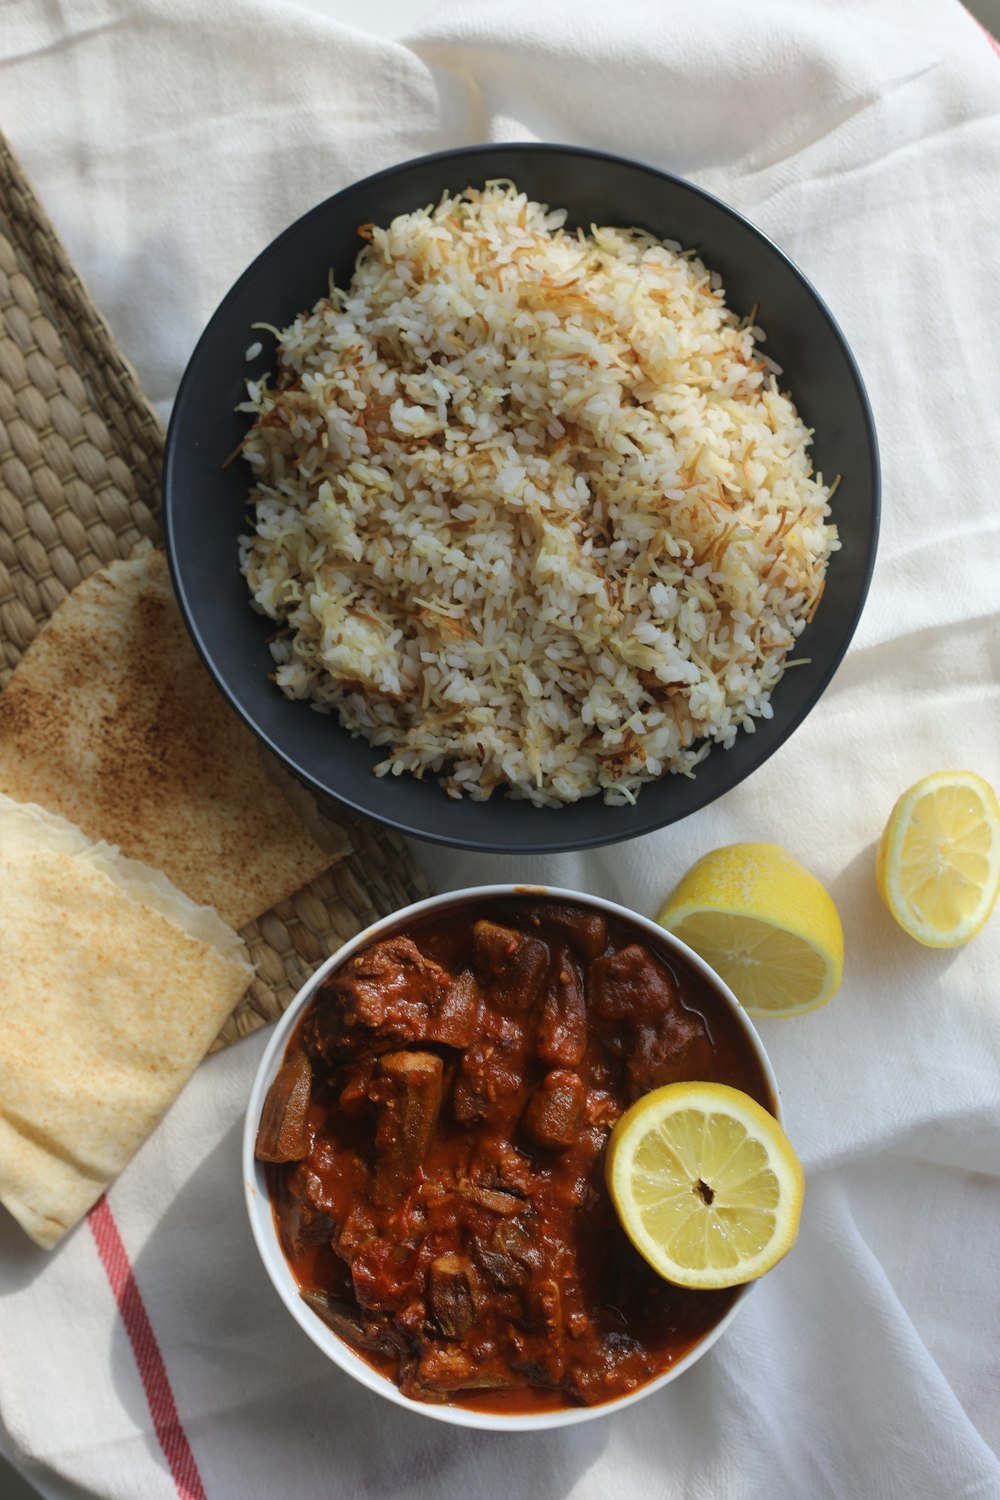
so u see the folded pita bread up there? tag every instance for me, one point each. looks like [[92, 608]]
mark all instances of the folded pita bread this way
[[112, 986], [112, 720]]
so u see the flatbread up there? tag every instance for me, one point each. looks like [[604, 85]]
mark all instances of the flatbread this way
[[111, 719], [112, 986]]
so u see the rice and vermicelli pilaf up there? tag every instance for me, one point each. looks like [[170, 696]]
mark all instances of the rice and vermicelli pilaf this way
[[530, 507]]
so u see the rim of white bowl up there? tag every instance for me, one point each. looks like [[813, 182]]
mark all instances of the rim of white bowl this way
[[258, 1201]]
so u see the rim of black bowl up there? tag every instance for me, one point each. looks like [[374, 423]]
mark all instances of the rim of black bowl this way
[[621, 823]]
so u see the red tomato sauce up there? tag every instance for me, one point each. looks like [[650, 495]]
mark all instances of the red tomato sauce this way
[[437, 1137]]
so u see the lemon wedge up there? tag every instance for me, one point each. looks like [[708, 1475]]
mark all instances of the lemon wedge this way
[[763, 923], [705, 1183], [938, 862]]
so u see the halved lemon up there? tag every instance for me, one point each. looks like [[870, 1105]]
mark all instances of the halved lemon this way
[[938, 862], [764, 923], [705, 1183]]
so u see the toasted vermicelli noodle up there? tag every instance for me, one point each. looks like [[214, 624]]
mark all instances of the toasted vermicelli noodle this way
[[530, 505]]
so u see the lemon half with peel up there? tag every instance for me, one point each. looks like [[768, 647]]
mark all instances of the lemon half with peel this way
[[705, 1183], [764, 923], [938, 862]]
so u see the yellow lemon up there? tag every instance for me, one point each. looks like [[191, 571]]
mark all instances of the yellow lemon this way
[[938, 863], [705, 1183], [767, 926]]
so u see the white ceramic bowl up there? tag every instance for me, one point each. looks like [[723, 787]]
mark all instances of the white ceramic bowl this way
[[258, 1202]]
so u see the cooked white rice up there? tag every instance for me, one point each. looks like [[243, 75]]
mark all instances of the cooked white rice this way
[[530, 507]]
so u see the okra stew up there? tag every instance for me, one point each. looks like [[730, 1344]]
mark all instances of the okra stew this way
[[436, 1137]]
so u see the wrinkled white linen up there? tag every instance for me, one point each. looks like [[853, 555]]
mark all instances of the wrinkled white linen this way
[[169, 142]]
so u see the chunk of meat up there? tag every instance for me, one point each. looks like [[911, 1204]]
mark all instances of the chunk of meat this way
[[513, 1237], [511, 966], [358, 1227], [537, 1347], [585, 931], [678, 1047], [503, 1272], [490, 1074], [452, 1289], [385, 997], [387, 1276], [555, 1109], [448, 1368], [406, 1091], [561, 1036], [508, 1255], [282, 1134], [614, 1364], [660, 1039], [631, 985], [500, 1165], [305, 1214], [513, 1170]]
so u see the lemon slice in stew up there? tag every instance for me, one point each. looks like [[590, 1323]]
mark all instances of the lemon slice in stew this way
[[938, 863], [705, 1183]]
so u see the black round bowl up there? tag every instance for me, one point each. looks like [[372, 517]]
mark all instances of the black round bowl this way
[[205, 504]]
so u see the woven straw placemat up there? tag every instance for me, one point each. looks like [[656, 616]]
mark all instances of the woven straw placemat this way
[[80, 457]]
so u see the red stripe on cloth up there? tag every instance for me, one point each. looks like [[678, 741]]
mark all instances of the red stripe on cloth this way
[[152, 1370]]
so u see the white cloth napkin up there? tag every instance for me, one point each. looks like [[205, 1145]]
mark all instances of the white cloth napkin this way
[[170, 140]]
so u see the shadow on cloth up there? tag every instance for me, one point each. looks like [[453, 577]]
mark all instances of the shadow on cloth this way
[[870, 929], [237, 1365], [21, 1259]]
